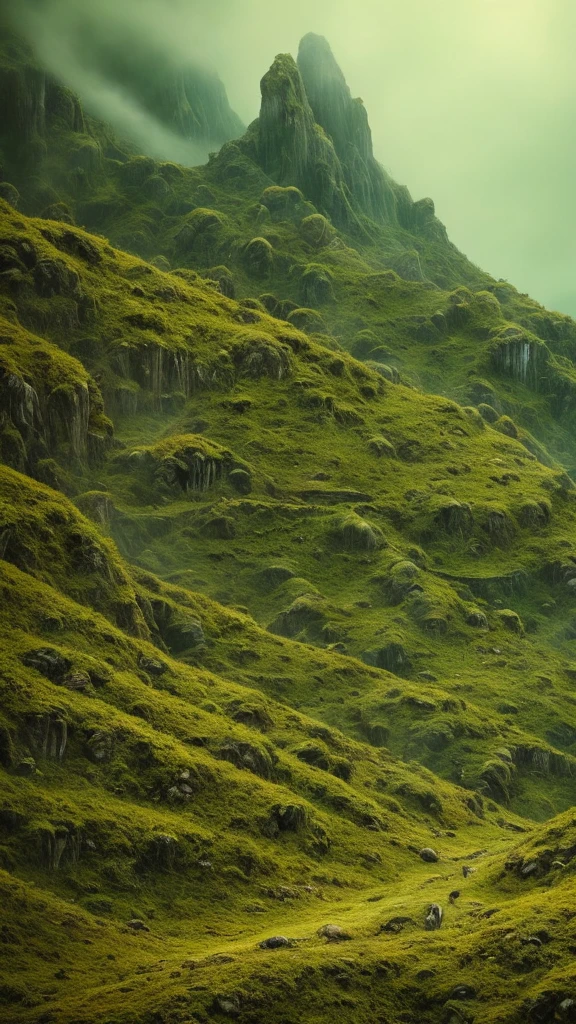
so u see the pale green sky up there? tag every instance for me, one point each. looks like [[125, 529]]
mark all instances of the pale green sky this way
[[472, 102]]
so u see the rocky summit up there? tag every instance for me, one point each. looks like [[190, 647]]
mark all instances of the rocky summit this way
[[287, 577]]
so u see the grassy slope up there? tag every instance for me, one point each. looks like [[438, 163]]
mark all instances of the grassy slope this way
[[432, 545], [96, 837], [194, 763]]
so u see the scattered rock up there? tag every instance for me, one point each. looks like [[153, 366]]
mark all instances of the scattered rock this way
[[334, 933], [153, 666], [396, 924], [230, 1005], [429, 855], [275, 942], [76, 681], [433, 919], [454, 895], [137, 925]]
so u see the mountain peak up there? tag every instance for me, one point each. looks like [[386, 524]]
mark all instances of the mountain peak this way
[[292, 148], [346, 122]]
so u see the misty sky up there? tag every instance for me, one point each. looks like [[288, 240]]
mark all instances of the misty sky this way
[[471, 102]]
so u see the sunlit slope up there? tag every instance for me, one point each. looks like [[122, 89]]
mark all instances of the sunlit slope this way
[[161, 821], [263, 470]]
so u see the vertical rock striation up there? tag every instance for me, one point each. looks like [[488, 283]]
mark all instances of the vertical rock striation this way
[[345, 121]]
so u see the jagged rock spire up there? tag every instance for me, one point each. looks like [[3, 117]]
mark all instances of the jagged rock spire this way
[[346, 122], [292, 148]]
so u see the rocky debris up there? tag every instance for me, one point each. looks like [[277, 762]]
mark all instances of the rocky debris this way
[[137, 925], [333, 933], [429, 855], [275, 942], [100, 746], [53, 277], [454, 895], [153, 666], [229, 1005], [550, 1007], [248, 756], [283, 893], [467, 871], [433, 919], [48, 662], [477, 619], [78, 681]]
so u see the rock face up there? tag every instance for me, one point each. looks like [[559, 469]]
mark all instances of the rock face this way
[[292, 149], [313, 135], [345, 121]]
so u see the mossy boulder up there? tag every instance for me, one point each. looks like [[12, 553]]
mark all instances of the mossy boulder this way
[[156, 187], [137, 170], [352, 533], [260, 355], [309, 320], [258, 257], [488, 413], [510, 620], [10, 194], [224, 278], [316, 285], [506, 426], [281, 202], [317, 231], [241, 481], [384, 370], [200, 225]]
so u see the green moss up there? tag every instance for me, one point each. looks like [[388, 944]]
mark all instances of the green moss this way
[[337, 626]]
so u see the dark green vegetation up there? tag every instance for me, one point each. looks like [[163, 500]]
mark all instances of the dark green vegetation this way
[[287, 642]]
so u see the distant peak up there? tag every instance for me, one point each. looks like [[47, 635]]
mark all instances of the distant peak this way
[[317, 62], [312, 41]]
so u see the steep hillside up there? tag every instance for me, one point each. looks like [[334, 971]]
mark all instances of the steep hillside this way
[[268, 472], [287, 662], [299, 213]]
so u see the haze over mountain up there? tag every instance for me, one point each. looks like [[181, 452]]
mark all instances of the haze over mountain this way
[[471, 101]]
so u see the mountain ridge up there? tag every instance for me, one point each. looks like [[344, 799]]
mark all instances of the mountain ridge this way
[[287, 668]]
